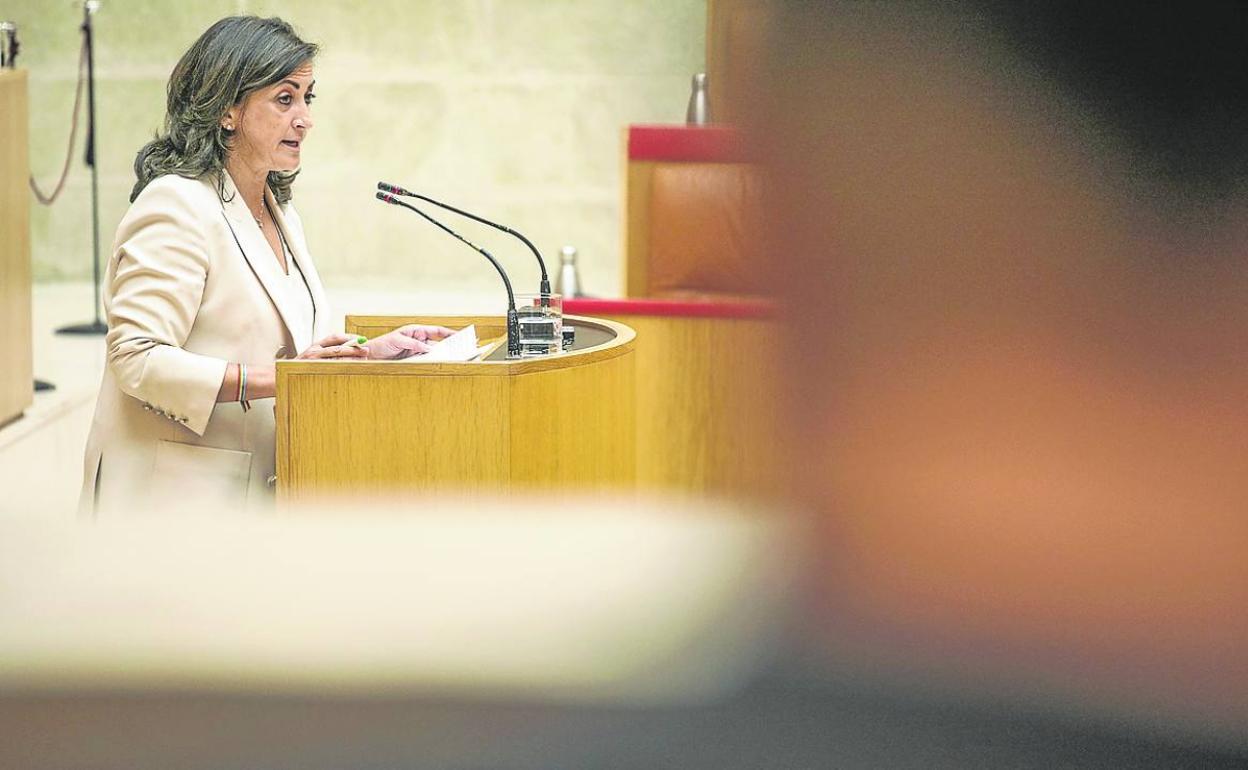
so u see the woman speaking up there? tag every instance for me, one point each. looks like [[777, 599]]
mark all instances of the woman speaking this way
[[210, 280]]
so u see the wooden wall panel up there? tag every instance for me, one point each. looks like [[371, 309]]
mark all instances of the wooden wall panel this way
[[16, 373], [737, 34], [636, 225]]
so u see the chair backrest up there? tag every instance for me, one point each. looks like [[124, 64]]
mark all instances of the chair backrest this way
[[691, 203]]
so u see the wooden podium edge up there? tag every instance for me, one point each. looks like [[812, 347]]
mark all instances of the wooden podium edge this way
[[623, 343]]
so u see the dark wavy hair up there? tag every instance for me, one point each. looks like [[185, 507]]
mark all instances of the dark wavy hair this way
[[236, 56]]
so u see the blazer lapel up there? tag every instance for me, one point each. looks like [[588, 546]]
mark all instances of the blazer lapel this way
[[303, 260], [256, 249]]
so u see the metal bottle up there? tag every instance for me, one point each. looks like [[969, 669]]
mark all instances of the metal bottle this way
[[699, 112], [569, 280], [9, 45]]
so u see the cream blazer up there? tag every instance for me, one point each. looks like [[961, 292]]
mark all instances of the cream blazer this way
[[191, 285]]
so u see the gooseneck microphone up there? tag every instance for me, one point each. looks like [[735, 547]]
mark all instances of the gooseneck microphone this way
[[513, 320], [541, 263]]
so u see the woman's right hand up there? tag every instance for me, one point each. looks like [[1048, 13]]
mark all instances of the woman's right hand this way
[[336, 346]]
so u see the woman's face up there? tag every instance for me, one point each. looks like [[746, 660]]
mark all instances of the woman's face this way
[[271, 124]]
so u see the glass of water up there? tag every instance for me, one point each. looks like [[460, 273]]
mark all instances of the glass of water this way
[[541, 324]]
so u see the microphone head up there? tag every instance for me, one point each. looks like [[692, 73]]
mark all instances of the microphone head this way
[[385, 187], [381, 196]]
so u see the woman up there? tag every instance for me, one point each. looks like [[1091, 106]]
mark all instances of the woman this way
[[210, 281]]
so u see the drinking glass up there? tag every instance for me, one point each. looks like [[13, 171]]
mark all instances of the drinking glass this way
[[541, 324]]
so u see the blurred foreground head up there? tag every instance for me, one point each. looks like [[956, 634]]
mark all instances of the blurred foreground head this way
[[1011, 246]]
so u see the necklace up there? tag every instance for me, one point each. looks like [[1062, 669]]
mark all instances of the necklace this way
[[260, 222]]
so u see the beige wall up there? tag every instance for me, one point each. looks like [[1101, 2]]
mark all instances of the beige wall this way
[[512, 108]]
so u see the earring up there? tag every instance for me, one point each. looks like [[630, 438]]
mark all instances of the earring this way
[[228, 126]]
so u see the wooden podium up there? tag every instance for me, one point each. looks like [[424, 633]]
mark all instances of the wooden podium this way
[[16, 373], [563, 422]]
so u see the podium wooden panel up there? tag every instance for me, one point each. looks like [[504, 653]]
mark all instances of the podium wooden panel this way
[[707, 379], [562, 422], [17, 373]]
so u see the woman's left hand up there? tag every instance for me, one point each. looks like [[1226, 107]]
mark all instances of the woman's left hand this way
[[406, 341]]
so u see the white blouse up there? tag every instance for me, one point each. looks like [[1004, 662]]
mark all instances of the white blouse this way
[[299, 301]]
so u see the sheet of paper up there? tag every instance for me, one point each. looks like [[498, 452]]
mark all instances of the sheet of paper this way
[[460, 346]]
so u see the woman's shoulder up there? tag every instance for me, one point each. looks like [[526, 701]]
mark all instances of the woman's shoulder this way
[[188, 203], [192, 189]]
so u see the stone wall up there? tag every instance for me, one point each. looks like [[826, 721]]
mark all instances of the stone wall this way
[[511, 108]]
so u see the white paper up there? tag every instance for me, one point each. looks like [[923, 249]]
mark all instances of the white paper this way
[[460, 346]]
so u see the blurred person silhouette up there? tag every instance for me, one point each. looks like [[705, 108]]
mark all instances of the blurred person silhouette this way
[[1011, 244]]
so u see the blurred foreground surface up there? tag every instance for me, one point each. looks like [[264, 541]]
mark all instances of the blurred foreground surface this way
[[336, 623], [600, 599], [512, 634], [777, 723]]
